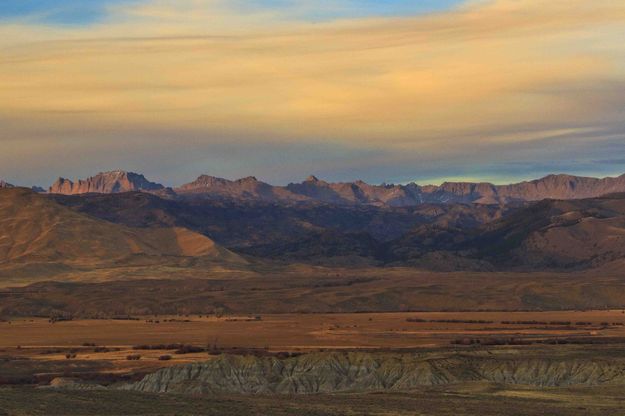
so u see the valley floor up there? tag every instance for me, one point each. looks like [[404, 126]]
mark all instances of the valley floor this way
[[310, 332], [582, 352], [457, 400], [306, 289]]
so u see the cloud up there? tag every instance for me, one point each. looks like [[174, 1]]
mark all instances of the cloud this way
[[489, 75]]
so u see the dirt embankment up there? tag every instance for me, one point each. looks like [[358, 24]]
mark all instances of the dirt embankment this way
[[360, 372]]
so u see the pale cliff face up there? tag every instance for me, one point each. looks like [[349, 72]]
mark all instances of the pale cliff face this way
[[106, 182], [337, 372]]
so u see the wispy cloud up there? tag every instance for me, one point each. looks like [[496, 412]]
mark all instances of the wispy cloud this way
[[488, 75]]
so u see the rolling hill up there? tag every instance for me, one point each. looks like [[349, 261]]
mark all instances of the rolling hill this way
[[36, 230], [262, 227], [548, 234]]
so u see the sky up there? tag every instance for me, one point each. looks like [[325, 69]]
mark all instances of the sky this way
[[385, 91]]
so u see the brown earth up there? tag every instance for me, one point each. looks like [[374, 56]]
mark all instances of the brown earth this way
[[298, 332], [36, 232], [36, 349], [467, 399], [546, 235], [305, 289]]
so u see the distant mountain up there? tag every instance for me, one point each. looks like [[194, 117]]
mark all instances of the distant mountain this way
[[357, 192], [4, 184], [549, 234], [561, 187], [578, 233], [261, 227], [361, 193], [248, 188], [314, 190], [105, 183], [37, 230], [541, 235]]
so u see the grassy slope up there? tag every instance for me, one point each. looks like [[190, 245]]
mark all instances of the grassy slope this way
[[40, 238], [288, 290]]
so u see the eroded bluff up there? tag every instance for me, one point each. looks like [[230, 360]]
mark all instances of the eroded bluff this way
[[345, 372]]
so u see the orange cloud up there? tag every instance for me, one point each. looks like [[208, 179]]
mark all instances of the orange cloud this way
[[483, 71]]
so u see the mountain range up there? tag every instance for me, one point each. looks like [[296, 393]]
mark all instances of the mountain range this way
[[120, 219], [348, 193]]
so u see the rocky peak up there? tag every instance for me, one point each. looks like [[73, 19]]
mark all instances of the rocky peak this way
[[106, 183], [248, 179], [204, 181], [357, 192], [248, 188]]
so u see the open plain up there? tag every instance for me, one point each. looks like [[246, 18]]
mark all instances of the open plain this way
[[36, 350], [301, 332]]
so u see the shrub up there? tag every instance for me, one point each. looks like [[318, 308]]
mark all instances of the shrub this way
[[188, 349], [133, 357]]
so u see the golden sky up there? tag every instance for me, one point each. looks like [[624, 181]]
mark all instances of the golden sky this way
[[203, 87]]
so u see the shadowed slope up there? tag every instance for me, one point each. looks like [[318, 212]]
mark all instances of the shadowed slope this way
[[34, 228], [550, 234]]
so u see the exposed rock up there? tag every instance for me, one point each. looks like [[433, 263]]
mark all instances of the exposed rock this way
[[314, 189], [248, 188], [70, 383], [359, 192], [343, 372], [4, 184], [105, 183]]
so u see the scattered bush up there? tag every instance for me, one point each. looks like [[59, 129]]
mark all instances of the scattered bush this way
[[164, 357], [450, 321], [133, 357], [51, 351], [189, 349], [157, 346]]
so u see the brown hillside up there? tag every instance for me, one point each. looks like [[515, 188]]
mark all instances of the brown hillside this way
[[36, 229]]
